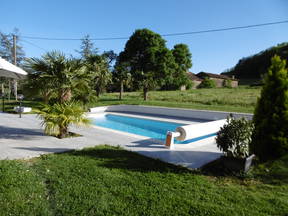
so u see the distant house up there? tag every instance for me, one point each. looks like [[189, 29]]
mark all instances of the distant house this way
[[195, 79], [220, 80]]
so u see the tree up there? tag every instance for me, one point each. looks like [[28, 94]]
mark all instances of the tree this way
[[59, 116], [6, 47], [270, 137], [56, 76], [87, 47], [97, 67], [149, 59], [110, 55], [183, 61], [122, 75]]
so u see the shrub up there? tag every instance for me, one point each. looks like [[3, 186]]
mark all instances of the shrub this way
[[207, 83], [228, 83], [58, 117], [234, 137], [270, 137], [189, 84]]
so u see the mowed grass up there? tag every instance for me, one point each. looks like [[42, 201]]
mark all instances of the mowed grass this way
[[110, 181], [242, 99]]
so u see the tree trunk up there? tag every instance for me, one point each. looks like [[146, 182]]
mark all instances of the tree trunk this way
[[9, 90], [145, 94], [121, 90], [63, 132], [2, 89], [15, 85], [65, 95], [46, 98]]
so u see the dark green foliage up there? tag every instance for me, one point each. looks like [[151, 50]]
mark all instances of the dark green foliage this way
[[207, 83], [149, 59], [182, 56], [234, 137], [257, 65], [270, 137]]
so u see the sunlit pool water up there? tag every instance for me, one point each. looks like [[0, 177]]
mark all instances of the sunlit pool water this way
[[140, 126]]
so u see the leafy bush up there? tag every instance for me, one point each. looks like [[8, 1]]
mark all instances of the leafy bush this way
[[189, 84], [270, 137], [207, 83], [228, 83], [234, 137]]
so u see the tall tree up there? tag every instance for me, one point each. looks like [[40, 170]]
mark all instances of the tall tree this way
[[270, 137], [122, 75], [87, 47], [6, 47], [183, 61], [110, 55], [149, 59]]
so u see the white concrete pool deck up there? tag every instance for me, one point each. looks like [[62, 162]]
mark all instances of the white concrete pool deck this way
[[24, 138]]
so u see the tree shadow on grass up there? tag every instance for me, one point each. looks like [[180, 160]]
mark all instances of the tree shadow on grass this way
[[118, 158]]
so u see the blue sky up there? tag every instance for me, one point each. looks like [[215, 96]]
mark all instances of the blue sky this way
[[211, 52]]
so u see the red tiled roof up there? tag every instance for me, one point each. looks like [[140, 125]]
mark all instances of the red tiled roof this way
[[192, 77], [218, 76]]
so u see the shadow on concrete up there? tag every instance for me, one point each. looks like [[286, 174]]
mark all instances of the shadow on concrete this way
[[19, 133], [189, 158], [147, 143], [46, 150]]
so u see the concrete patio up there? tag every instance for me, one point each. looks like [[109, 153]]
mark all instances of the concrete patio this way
[[24, 138]]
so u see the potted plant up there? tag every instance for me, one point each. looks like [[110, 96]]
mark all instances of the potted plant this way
[[233, 139]]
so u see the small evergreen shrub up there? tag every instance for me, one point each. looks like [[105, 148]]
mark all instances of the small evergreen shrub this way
[[227, 83], [207, 83], [189, 84], [270, 137], [234, 137]]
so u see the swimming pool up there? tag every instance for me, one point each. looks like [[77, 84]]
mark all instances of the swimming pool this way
[[140, 126]]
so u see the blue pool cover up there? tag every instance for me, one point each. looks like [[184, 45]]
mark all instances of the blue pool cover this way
[[140, 126]]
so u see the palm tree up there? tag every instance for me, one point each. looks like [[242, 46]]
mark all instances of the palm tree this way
[[58, 117], [98, 68], [55, 76], [122, 75]]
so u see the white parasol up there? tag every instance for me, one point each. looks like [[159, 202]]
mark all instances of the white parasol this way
[[9, 70]]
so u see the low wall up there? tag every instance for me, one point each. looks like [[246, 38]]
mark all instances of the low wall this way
[[175, 112]]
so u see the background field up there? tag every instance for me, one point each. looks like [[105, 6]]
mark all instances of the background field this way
[[242, 99]]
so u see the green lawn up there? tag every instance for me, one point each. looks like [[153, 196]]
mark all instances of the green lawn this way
[[111, 181], [242, 99]]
